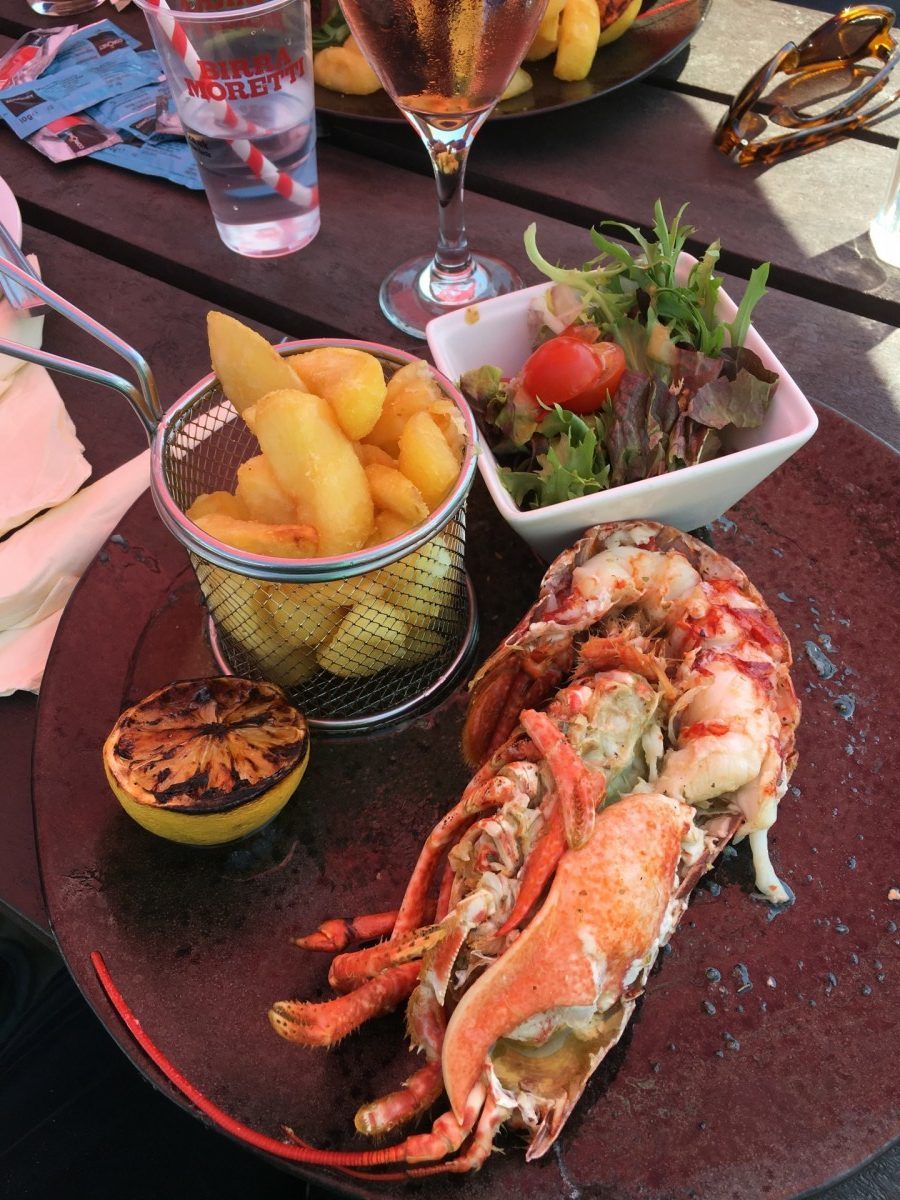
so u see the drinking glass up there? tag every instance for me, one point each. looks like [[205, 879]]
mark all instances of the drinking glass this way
[[885, 228], [241, 78], [445, 63]]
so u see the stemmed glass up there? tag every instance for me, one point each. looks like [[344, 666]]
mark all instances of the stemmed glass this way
[[445, 63]]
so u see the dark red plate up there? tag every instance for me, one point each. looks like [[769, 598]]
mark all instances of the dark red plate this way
[[774, 1079], [663, 28]]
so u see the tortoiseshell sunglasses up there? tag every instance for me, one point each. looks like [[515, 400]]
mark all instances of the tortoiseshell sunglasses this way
[[845, 40]]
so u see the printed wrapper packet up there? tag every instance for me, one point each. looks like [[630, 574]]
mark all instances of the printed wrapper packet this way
[[168, 160], [168, 122], [32, 54], [72, 137], [29, 107], [73, 92], [132, 112], [92, 44]]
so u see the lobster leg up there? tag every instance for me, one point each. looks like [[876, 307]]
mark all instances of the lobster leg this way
[[414, 1097], [448, 1132], [446, 1136], [443, 900], [521, 683], [348, 971], [426, 1022], [472, 1159], [539, 866], [444, 941], [470, 912], [325, 1024], [580, 790], [489, 792], [339, 933]]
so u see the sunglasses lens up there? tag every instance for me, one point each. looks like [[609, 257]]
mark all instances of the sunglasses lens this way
[[840, 41], [750, 126], [802, 98]]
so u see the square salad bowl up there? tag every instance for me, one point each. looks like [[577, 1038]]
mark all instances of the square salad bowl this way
[[495, 332]]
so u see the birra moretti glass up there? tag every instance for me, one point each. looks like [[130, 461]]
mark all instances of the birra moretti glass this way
[[242, 82]]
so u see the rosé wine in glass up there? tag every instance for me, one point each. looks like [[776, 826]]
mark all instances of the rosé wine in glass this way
[[445, 63]]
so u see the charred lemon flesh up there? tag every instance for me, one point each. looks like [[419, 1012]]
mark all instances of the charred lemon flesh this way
[[207, 761]]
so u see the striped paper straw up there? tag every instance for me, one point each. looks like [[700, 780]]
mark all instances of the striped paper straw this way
[[262, 167]]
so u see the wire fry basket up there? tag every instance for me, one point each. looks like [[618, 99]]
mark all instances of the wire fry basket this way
[[356, 641]]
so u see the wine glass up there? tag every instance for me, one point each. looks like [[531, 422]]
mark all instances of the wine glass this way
[[445, 63]]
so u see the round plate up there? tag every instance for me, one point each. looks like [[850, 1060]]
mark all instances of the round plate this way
[[772, 1080], [9, 211], [663, 28]]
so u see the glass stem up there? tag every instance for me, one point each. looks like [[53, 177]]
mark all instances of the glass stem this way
[[451, 256], [452, 265]]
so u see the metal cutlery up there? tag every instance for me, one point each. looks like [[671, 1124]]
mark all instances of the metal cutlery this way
[[20, 298]]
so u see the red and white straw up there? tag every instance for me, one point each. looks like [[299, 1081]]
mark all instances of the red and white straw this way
[[263, 168]]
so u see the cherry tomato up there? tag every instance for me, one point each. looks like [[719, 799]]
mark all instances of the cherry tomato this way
[[569, 372]]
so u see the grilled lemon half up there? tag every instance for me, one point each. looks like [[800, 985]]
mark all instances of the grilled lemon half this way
[[207, 761]]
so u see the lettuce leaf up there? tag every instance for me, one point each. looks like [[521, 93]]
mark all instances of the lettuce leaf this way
[[627, 436], [508, 423], [740, 396], [573, 463], [754, 292]]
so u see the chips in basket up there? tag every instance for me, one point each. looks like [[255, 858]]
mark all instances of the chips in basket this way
[[348, 460]]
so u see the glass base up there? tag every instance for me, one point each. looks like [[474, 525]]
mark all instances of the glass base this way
[[270, 239], [413, 294], [885, 235]]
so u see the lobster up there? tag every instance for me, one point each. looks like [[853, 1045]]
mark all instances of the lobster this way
[[638, 718]]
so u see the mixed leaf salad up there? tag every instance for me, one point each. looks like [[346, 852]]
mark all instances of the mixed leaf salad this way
[[632, 375]]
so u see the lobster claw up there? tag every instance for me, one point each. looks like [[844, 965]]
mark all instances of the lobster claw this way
[[542, 1017]]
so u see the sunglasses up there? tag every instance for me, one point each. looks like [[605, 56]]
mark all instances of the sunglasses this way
[[831, 60]]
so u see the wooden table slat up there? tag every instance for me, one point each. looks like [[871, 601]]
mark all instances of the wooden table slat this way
[[646, 144]]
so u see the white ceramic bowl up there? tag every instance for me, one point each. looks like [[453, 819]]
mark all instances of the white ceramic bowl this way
[[688, 498]]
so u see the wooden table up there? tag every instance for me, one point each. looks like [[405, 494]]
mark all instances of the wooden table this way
[[142, 256]]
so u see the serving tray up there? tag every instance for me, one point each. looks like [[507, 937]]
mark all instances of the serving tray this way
[[761, 1062]]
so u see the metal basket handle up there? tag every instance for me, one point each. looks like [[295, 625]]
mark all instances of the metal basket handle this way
[[143, 399]]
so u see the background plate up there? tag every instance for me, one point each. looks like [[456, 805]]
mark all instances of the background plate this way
[[801, 1091], [663, 28]]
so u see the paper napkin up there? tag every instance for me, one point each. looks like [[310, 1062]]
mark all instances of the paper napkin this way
[[41, 563], [24, 653], [42, 461], [42, 466]]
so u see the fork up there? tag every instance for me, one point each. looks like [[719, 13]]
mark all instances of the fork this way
[[20, 299]]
